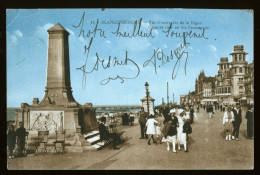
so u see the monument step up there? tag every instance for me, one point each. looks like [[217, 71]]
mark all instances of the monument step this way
[[102, 146], [31, 149], [91, 134], [50, 142], [88, 148], [94, 140], [96, 146], [50, 149], [74, 149]]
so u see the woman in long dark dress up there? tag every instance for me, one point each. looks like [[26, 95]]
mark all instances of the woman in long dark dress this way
[[11, 140], [250, 122]]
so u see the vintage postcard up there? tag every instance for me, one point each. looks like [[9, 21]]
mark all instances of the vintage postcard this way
[[130, 89]]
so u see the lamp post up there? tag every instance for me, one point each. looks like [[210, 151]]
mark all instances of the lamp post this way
[[147, 95]]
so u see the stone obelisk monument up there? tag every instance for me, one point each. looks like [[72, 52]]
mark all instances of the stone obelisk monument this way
[[58, 88], [58, 110]]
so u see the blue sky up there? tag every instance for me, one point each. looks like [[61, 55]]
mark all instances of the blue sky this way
[[27, 45]]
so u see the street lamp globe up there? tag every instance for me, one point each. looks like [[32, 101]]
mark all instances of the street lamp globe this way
[[146, 86]]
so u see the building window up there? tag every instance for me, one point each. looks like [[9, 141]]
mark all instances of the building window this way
[[235, 57], [241, 89], [240, 70], [229, 90], [225, 89], [240, 57]]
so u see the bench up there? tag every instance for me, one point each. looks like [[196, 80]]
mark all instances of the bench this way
[[108, 142]]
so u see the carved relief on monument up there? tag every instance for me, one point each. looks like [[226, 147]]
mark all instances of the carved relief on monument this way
[[46, 120]]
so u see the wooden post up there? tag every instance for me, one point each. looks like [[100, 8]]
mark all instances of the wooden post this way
[[167, 94]]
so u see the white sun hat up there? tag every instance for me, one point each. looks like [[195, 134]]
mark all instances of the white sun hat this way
[[180, 111], [173, 111]]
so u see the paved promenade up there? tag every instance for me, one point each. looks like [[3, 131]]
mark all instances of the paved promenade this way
[[207, 150]]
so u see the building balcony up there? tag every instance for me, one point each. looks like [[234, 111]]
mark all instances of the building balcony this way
[[241, 82], [223, 94]]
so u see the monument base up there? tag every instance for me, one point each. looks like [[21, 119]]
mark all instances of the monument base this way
[[76, 122]]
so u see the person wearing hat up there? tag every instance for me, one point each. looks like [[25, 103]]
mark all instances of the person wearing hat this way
[[125, 120], [237, 121], [11, 139], [132, 118], [170, 130], [105, 135], [21, 134], [181, 133], [187, 120], [165, 112], [228, 118], [210, 110], [142, 121], [191, 115], [250, 122]]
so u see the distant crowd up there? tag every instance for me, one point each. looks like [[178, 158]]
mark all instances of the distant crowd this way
[[176, 126]]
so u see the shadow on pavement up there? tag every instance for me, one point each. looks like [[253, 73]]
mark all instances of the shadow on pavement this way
[[243, 133], [223, 134], [190, 141], [102, 165], [105, 163], [127, 138], [128, 126]]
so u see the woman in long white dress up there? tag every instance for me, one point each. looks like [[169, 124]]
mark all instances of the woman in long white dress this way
[[181, 136], [150, 125], [228, 118]]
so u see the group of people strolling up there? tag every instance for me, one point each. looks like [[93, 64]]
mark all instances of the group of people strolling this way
[[16, 137], [173, 130], [232, 120], [128, 119]]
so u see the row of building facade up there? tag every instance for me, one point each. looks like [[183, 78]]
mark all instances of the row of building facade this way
[[233, 83]]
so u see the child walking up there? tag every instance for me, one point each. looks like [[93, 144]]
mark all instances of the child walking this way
[[150, 124]]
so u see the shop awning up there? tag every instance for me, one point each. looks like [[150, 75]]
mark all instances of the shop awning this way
[[243, 98], [204, 100]]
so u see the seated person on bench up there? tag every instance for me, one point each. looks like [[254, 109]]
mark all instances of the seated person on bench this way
[[105, 135]]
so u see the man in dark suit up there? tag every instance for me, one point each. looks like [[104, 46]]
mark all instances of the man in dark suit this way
[[210, 111], [250, 122], [142, 121], [21, 134], [191, 114], [166, 112], [237, 121], [105, 135]]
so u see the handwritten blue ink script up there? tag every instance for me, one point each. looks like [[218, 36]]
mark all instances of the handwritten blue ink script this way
[[136, 30]]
